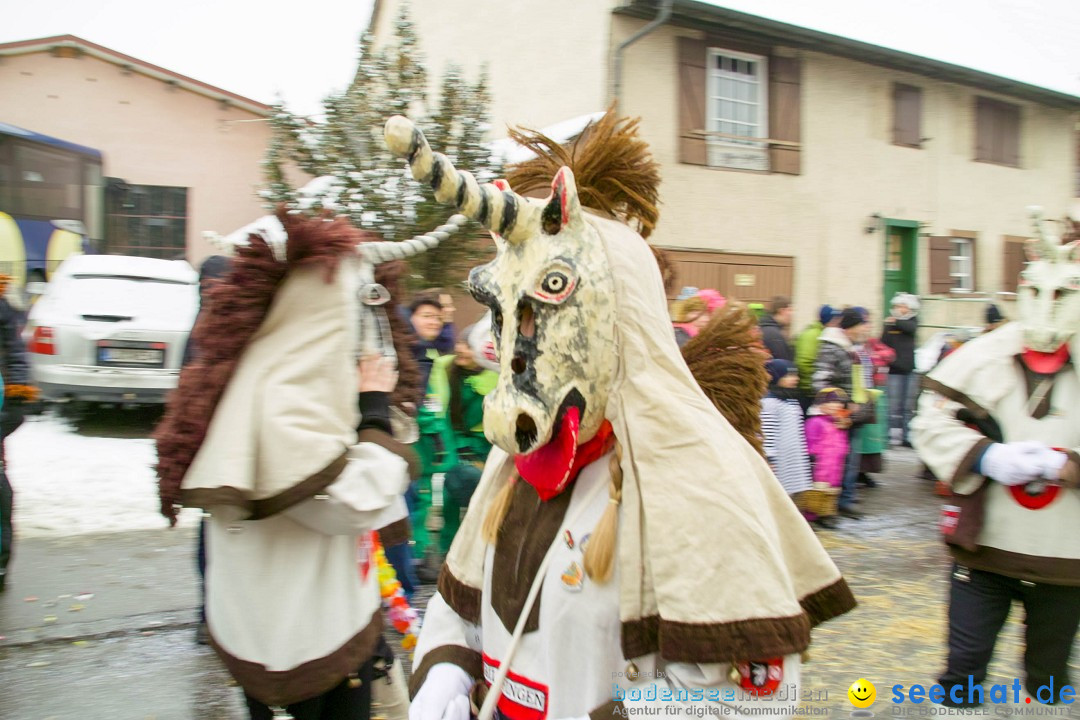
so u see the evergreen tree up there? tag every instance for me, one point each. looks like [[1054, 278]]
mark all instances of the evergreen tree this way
[[363, 180]]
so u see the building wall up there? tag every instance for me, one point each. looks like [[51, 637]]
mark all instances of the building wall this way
[[148, 132], [850, 170], [544, 66]]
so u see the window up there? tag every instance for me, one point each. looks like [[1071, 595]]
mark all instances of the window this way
[[997, 132], [146, 220], [736, 108], [907, 115], [47, 183], [952, 263], [962, 265]]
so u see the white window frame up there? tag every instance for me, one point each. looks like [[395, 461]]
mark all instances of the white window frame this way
[[729, 152], [963, 282]]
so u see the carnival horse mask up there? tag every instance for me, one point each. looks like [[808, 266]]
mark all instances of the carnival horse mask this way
[[1049, 292], [551, 294]]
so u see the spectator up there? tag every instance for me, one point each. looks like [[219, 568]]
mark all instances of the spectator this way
[[900, 328], [872, 438], [774, 328], [426, 317], [837, 365], [994, 318], [470, 380], [17, 392], [807, 346], [782, 428], [827, 443], [691, 315], [211, 269]]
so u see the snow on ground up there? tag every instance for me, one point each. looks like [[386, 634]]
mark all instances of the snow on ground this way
[[70, 483]]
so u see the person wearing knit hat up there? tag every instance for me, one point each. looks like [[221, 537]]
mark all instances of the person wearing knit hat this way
[[782, 428], [690, 316], [899, 333], [851, 317], [994, 318], [806, 347]]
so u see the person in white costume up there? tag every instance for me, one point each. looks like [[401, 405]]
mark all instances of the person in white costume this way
[[999, 422], [280, 429], [626, 547]]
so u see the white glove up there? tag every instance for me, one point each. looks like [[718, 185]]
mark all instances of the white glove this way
[[444, 694], [1052, 463], [1018, 463]]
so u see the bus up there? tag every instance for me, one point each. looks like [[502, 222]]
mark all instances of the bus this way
[[51, 204]]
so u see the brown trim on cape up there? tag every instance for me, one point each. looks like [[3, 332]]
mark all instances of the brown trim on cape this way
[[388, 442], [465, 658], [1070, 474], [1033, 568], [967, 463], [301, 491], [311, 679], [828, 602], [615, 708], [395, 533], [528, 530], [207, 498], [929, 383], [462, 599], [715, 642]]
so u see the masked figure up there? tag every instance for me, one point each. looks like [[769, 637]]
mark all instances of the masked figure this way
[[1000, 424], [280, 429], [622, 529]]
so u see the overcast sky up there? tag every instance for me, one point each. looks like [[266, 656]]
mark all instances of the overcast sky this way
[[241, 46]]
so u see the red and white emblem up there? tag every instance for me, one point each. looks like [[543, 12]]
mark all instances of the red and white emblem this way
[[761, 677], [522, 698]]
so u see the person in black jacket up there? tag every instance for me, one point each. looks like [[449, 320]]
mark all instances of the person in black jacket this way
[[774, 329], [17, 392], [899, 334]]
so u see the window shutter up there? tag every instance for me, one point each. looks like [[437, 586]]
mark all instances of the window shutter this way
[[692, 58], [940, 279], [785, 117], [907, 115], [1013, 263], [1010, 134], [974, 264], [983, 130]]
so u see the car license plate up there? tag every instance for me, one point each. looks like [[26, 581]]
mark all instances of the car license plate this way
[[126, 353], [123, 355]]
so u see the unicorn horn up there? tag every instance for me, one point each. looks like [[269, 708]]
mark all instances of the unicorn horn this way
[[501, 211], [380, 252], [1040, 246]]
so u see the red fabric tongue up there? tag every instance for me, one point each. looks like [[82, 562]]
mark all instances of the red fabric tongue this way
[[1046, 363], [550, 469]]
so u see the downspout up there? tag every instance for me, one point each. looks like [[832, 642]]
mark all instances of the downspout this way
[[661, 17]]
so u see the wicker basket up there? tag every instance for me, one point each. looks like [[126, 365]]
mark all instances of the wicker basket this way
[[820, 502]]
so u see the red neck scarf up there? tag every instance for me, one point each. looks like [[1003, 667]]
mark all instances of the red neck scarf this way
[[1046, 363], [551, 468]]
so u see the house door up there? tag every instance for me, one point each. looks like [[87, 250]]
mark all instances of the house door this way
[[901, 237]]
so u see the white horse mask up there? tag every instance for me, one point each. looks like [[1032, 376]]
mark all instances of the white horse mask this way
[[1048, 303]]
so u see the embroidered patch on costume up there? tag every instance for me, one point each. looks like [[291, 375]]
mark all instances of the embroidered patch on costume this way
[[761, 677], [573, 577], [364, 547], [1034, 496], [584, 541], [522, 698], [950, 518]]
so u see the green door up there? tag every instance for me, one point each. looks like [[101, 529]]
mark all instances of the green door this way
[[901, 237]]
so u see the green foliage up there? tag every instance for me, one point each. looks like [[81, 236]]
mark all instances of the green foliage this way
[[363, 180]]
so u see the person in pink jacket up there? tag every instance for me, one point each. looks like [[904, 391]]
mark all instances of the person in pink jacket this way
[[828, 445]]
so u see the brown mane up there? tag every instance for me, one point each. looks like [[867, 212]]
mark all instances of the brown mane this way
[[613, 168]]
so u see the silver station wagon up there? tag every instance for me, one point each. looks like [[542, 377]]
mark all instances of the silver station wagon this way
[[112, 329]]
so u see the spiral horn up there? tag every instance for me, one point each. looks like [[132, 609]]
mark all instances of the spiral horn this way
[[380, 252], [501, 211]]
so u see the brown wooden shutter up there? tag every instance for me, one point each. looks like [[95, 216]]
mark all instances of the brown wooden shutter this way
[[1010, 134], [1013, 263], [785, 116], [693, 55], [907, 115], [940, 279]]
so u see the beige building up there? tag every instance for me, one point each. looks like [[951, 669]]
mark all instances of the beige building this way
[[179, 156], [794, 162]]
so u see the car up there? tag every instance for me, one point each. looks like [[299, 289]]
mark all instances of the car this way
[[112, 329]]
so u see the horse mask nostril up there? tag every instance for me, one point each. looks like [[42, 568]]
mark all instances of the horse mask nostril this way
[[525, 432], [518, 364]]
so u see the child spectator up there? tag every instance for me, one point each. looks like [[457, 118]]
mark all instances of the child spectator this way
[[782, 427], [828, 445]]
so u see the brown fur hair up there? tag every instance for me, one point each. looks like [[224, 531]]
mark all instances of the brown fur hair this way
[[236, 307], [728, 363], [613, 169]]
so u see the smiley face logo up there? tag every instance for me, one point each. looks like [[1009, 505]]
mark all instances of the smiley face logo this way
[[862, 693]]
